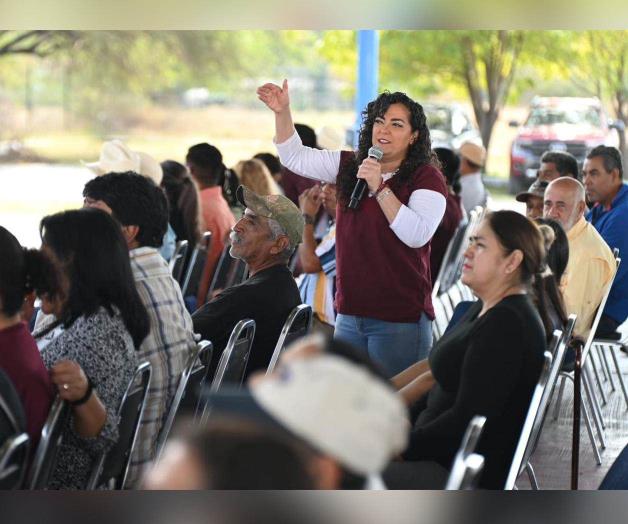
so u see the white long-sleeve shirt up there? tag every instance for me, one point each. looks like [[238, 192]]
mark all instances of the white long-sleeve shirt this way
[[414, 225]]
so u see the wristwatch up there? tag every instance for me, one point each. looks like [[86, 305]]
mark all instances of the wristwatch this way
[[309, 219]]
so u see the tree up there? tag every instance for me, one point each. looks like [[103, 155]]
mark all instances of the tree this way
[[598, 62], [39, 43], [484, 63]]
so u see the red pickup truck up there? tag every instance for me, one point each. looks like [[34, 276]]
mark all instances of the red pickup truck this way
[[570, 124]]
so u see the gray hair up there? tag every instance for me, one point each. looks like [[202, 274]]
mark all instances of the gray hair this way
[[277, 230]]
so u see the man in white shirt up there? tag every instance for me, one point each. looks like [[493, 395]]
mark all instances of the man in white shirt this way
[[473, 193]]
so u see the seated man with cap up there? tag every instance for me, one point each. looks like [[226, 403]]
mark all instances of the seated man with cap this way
[[347, 417], [265, 238], [533, 199], [473, 192]]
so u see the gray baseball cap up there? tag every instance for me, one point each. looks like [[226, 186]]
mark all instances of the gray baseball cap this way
[[277, 207]]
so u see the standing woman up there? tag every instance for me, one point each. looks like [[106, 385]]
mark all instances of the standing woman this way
[[100, 322], [383, 247]]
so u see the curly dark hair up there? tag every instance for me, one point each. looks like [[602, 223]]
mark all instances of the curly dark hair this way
[[134, 200], [420, 153]]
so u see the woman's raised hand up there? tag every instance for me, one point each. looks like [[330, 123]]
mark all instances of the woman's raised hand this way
[[275, 97]]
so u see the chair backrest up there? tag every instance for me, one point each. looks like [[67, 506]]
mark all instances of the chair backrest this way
[[519, 457], [177, 262], [297, 325], [45, 458], [14, 442], [235, 356], [455, 296], [440, 318], [560, 342], [600, 311], [194, 373], [194, 270], [464, 474], [449, 256], [14, 461], [231, 366], [451, 272], [114, 464], [229, 272]]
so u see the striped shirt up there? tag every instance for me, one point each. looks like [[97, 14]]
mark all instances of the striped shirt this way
[[166, 347], [318, 289]]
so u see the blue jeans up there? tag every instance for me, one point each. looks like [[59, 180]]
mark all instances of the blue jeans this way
[[393, 345]]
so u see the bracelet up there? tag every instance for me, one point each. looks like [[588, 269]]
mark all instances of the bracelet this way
[[309, 219], [84, 398], [380, 188], [383, 195]]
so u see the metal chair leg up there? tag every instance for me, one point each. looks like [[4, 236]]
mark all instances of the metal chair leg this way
[[561, 389], [587, 423], [601, 350], [532, 477], [619, 374], [596, 419], [597, 409], [596, 348], [597, 378]]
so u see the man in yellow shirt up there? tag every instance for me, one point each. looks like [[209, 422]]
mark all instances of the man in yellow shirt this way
[[591, 262]]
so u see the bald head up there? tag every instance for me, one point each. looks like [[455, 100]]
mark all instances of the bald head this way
[[564, 201]]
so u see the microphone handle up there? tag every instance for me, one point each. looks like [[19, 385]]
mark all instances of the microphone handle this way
[[358, 194]]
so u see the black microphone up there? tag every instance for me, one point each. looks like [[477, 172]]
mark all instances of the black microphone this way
[[360, 186]]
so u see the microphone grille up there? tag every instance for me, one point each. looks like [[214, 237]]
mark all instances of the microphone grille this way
[[376, 153]]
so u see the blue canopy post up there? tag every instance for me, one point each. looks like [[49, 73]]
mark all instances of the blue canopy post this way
[[368, 75]]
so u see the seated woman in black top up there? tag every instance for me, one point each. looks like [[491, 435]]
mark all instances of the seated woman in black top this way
[[490, 362]]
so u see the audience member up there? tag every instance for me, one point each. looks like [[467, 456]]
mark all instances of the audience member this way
[[234, 454], [591, 264], [265, 238], [183, 199], [490, 362], [292, 184], [116, 157], [273, 165], [556, 164], [556, 259], [317, 283], [356, 439], [254, 175], [473, 192], [141, 208], [603, 180], [383, 293], [450, 163], [99, 323], [24, 271], [533, 199], [205, 164]]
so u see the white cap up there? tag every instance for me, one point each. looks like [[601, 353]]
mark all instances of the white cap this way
[[339, 408], [116, 157]]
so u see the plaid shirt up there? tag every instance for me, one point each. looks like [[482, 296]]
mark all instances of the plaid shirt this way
[[166, 347]]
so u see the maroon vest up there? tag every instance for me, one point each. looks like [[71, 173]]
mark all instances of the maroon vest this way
[[377, 275]]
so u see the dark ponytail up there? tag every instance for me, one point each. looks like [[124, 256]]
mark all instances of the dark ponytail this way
[[514, 231], [23, 271]]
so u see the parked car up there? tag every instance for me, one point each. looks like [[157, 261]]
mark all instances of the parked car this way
[[570, 124], [450, 125]]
